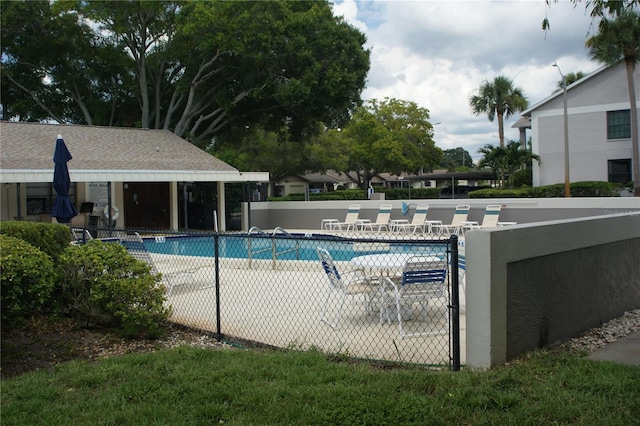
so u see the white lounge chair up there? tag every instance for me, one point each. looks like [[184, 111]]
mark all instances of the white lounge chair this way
[[136, 248], [490, 219], [81, 235], [459, 218], [417, 222], [350, 221], [351, 283], [382, 220]]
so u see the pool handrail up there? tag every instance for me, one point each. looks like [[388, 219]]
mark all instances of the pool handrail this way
[[274, 251]]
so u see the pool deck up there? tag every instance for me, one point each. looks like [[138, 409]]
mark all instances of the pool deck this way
[[282, 307]]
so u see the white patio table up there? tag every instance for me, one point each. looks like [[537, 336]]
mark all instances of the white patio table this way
[[389, 261]]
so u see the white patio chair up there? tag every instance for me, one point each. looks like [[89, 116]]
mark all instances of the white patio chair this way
[[81, 235], [421, 281], [490, 219], [350, 221], [417, 222], [459, 218], [136, 248], [347, 284], [382, 219]]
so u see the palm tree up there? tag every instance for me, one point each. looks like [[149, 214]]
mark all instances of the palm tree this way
[[506, 160], [517, 158], [620, 38], [495, 157], [571, 78], [498, 98]]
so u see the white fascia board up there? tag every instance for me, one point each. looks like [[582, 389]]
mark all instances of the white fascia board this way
[[29, 176]]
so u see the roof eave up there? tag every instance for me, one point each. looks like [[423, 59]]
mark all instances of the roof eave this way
[[31, 176]]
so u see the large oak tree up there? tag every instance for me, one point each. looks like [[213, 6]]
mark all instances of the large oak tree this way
[[199, 69]]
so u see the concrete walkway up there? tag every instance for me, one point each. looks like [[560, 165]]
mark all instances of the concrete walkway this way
[[623, 351]]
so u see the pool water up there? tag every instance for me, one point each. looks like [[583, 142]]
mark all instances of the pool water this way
[[302, 248]]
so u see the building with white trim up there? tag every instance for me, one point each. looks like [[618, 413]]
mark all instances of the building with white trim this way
[[146, 176], [599, 120]]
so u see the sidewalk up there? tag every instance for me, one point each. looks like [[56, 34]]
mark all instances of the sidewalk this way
[[624, 351]]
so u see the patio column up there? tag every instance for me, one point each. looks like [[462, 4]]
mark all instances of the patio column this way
[[222, 207]]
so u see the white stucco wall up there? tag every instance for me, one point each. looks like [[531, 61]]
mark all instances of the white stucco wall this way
[[589, 149]]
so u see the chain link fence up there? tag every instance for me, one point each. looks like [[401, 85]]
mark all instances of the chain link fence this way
[[385, 296]]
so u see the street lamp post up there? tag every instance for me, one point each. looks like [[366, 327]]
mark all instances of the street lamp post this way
[[567, 184]]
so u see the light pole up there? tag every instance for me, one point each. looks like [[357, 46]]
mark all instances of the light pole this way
[[567, 184]]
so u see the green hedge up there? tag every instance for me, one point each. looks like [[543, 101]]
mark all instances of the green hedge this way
[[51, 238], [359, 194], [97, 282], [103, 284], [577, 189], [27, 276]]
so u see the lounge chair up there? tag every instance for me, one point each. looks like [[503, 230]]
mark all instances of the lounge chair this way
[[81, 235], [136, 248], [420, 282], [417, 222], [350, 221], [351, 283], [459, 218], [382, 220], [490, 219]]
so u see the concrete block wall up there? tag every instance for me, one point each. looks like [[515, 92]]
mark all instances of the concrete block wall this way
[[533, 285]]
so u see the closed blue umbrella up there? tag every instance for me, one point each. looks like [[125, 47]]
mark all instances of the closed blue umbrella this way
[[63, 210]]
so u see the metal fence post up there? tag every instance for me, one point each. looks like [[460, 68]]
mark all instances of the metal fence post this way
[[216, 250], [455, 304]]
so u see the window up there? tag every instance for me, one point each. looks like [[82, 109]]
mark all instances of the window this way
[[620, 171], [40, 197], [619, 124]]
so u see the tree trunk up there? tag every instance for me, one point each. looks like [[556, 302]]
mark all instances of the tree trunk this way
[[635, 147], [501, 129]]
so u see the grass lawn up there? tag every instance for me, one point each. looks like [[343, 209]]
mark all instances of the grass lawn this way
[[190, 386]]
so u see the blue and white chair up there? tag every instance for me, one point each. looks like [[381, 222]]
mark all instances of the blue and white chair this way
[[421, 282], [353, 283]]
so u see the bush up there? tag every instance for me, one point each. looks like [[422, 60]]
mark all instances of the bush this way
[[577, 189], [27, 276], [51, 238], [404, 194], [522, 178], [360, 194], [104, 284], [595, 189]]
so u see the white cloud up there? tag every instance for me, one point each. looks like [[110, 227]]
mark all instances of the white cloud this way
[[436, 53]]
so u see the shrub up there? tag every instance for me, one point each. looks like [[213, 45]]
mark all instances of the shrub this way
[[405, 194], [360, 194], [104, 284], [522, 178], [27, 276], [595, 189], [51, 238], [577, 189]]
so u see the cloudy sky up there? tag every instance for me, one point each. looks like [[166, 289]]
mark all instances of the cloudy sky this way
[[437, 54]]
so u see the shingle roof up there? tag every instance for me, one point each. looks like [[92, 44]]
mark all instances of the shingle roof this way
[[29, 147]]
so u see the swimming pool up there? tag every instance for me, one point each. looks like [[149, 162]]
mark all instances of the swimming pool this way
[[298, 248]]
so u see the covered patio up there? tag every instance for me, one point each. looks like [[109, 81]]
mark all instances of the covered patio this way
[[138, 175]]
